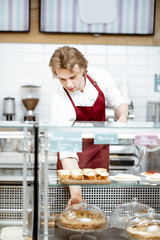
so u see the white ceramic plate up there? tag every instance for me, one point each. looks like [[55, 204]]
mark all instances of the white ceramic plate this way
[[153, 180], [126, 180]]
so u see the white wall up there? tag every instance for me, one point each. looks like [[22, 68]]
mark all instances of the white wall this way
[[22, 64]]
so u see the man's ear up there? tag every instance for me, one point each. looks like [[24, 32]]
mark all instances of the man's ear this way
[[84, 71]]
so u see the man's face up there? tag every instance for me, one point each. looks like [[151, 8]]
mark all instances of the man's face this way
[[71, 81]]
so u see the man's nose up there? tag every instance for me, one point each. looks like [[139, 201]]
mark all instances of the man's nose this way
[[68, 83]]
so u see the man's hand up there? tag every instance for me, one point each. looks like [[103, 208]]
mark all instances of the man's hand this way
[[73, 200], [121, 113], [75, 191], [76, 195]]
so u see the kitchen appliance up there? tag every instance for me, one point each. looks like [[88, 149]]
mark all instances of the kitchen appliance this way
[[153, 111], [9, 108], [30, 96], [124, 155]]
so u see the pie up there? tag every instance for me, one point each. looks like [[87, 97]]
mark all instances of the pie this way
[[82, 220], [146, 231], [150, 173], [64, 174], [101, 173], [89, 174], [125, 176], [77, 174]]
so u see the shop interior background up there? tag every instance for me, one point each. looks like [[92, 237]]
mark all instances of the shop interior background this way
[[27, 63]]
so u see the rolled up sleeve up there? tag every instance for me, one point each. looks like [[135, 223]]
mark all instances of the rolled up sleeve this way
[[64, 155]]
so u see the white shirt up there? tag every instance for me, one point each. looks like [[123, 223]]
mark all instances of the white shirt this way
[[62, 110]]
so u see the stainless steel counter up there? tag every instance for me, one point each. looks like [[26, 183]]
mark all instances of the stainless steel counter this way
[[152, 162]]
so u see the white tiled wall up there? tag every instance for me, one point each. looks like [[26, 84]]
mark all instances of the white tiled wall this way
[[22, 64]]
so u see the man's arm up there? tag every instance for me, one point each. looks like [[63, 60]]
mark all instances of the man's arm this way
[[75, 191], [121, 112]]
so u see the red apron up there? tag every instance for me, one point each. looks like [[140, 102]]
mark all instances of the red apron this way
[[93, 156]]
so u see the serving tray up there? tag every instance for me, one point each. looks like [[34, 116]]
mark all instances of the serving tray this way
[[87, 182]]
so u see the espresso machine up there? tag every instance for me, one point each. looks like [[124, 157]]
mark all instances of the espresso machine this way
[[30, 95]]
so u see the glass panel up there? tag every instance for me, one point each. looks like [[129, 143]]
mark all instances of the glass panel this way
[[104, 125]]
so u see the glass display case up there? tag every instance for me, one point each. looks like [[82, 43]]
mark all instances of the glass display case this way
[[17, 157], [143, 226], [126, 211], [84, 218], [54, 195]]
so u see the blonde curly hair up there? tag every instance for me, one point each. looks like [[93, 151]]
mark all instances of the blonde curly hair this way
[[67, 57]]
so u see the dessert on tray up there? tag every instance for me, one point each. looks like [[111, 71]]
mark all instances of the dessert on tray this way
[[76, 174], [64, 174], [101, 174], [83, 174], [89, 174]]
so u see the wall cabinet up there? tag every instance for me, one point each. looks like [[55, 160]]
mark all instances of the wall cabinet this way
[[34, 36]]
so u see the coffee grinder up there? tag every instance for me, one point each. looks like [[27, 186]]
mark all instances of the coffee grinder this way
[[30, 96]]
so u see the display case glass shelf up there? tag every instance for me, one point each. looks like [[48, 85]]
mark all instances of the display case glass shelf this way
[[139, 184], [126, 130]]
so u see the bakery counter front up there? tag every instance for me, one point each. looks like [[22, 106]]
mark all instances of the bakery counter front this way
[[113, 198], [16, 180], [33, 195], [107, 198]]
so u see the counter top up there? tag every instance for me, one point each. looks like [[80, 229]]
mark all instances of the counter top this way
[[109, 234]]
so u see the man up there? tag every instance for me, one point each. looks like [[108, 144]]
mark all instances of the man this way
[[81, 98]]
